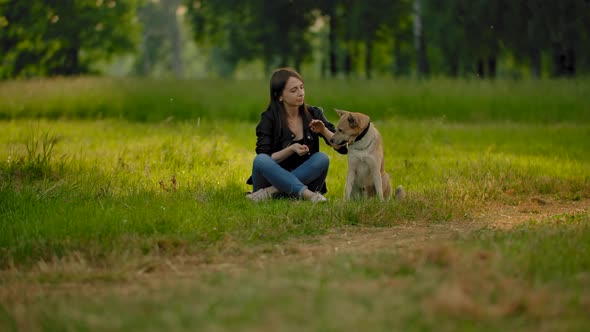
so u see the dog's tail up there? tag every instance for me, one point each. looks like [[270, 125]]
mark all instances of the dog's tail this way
[[400, 193]]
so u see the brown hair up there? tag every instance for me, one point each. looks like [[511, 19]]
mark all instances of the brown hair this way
[[278, 80]]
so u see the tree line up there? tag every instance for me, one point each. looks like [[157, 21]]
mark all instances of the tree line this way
[[343, 38]]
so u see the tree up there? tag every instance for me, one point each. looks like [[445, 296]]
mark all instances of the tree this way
[[568, 23], [446, 32], [466, 33], [63, 37], [355, 25], [272, 30], [557, 28], [228, 28], [527, 45], [161, 38], [420, 39], [399, 26], [334, 11], [284, 31]]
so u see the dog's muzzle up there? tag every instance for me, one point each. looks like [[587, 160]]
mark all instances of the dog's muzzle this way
[[337, 143]]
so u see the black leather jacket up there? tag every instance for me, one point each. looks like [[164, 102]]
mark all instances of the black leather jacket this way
[[273, 136]]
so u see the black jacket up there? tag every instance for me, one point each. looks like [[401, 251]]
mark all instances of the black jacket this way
[[272, 136]]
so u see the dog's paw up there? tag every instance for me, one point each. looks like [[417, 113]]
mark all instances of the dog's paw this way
[[400, 193]]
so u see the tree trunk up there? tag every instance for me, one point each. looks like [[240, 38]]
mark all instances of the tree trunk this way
[[570, 64], [333, 66], [71, 63], [481, 68], [535, 64], [178, 64], [267, 63], [145, 65], [395, 67], [144, 62], [564, 62], [424, 66], [297, 61], [402, 62], [368, 58], [453, 66], [419, 41], [348, 61], [175, 36], [492, 67], [284, 59]]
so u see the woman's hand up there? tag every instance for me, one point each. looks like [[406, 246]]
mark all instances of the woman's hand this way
[[317, 126], [300, 149]]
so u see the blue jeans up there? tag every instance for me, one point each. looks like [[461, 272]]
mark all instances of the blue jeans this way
[[311, 174]]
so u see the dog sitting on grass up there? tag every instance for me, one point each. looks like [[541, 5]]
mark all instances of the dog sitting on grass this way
[[366, 176]]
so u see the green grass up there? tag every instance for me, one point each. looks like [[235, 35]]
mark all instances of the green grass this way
[[542, 101], [485, 281], [108, 180], [104, 181]]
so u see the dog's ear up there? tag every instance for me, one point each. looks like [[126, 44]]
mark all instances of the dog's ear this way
[[340, 112], [363, 120], [352, 121]]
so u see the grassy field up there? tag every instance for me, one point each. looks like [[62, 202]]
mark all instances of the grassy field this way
[[474, 101], [122, 208]]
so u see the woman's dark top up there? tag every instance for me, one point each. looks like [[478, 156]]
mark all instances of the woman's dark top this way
[[273, 135]]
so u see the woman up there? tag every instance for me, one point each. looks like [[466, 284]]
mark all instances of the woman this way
[[288, 159]]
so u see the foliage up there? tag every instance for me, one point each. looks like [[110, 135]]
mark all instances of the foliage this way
[[339, 37], [47, 38], [245, 30], [464, 37], [161, 38]]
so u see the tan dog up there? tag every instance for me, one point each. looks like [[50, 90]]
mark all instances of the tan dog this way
[[366, 175]]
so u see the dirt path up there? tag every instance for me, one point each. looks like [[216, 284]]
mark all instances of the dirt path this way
[[231, 257], [370, 239], [496, 216]]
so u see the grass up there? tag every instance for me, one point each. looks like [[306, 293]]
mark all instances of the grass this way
[[541, 101], [475, 283], [187, 180], [128, 187]]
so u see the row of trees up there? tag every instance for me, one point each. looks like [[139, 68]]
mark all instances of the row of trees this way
[[341, 37], [62, 37], [452, 37]]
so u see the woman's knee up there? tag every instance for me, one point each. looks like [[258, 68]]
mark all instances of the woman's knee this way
[[322, 160], [261, 159]]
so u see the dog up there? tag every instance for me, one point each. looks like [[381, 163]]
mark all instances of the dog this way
[[366, 175]]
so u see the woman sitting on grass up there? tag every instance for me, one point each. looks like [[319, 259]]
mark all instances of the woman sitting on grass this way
[[288, 160]]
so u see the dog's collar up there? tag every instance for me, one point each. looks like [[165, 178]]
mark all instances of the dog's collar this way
[[360, 137]]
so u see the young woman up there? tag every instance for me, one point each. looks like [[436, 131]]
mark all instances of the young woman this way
[[288, 159]]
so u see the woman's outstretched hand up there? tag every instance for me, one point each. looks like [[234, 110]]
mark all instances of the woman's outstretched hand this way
[[317, 126]]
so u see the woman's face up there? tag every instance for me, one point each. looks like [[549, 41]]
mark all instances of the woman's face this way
[[293, 93]]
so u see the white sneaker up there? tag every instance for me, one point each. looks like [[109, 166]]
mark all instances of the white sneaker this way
[[317, 197], [259, 196]]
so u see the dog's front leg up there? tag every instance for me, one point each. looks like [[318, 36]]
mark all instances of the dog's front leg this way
[[378, 182], [349, 182], [378, 186]]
